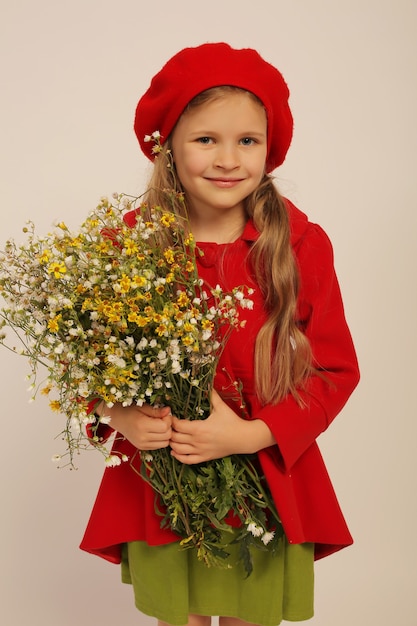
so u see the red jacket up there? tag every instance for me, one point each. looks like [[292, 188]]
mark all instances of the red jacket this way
[[297, 477]]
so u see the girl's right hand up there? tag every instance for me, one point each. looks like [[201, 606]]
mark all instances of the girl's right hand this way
[[146, 427]]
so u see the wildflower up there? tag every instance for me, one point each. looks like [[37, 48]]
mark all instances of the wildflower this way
[[113, 460], [169, 255], [255, 530], [130, 247], [45, 256], [167, 219], [267, 537], [155, 136], [53, 324], [57, 269]]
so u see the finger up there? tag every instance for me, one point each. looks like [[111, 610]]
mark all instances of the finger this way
[[151, 411], [181, 446], [159, 426], [184, 426], [214, 395], [155, 440], [216, 399], [154, 445], [167, 420], [188, 459]]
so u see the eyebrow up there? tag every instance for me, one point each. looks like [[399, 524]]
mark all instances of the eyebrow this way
[[246, 133], [255, 134]]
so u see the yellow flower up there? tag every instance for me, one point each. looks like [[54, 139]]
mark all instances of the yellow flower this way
[[130, 247], [167, 219], [87, 304], [142, 321], [169, 255], [132, 317], [103, 247], [169, 310], [76, 242], [55, 406], [114, 316], [183, 299], [57, 269], [207, 325], [156, 149], [139, 281], [45, 256], [113, 310], [136, 318], [124, 283], [53, 324]]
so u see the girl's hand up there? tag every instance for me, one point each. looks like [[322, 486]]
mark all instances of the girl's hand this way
[[221, 434], [146, 428]]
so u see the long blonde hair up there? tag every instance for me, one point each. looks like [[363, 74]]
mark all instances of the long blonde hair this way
[[283, 357], [282, 352]]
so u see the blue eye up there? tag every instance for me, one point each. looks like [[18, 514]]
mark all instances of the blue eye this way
[[247, 141], [204, 140]]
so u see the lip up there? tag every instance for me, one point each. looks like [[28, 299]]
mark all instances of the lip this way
[[225, 183]]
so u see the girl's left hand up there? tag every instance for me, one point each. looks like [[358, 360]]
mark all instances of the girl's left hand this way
[[221, 434]]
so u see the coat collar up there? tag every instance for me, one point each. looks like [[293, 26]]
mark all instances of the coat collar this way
[[298, 225]]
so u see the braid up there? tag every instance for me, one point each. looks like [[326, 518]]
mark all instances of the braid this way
[[282, 352]]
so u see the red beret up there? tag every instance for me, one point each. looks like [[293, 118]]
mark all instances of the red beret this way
[[194, 70]]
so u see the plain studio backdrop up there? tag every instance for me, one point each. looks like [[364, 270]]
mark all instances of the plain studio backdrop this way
[[70, 75]]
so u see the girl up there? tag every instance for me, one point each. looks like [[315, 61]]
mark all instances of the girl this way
[[224, 114]]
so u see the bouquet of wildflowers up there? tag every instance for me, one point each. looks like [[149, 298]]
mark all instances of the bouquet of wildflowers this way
[[107, 312]]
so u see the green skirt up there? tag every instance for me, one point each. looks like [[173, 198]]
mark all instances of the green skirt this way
[[170, 583]]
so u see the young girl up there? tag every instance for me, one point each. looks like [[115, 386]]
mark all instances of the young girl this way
[[224, 114]]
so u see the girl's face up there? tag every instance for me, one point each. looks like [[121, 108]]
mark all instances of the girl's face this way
[[219, 150]]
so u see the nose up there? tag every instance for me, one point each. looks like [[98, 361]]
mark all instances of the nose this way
[[227, 157]]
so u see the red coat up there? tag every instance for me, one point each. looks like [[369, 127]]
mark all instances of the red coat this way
[[297, 477]]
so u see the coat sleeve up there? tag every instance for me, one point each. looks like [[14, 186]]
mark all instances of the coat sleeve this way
[[321, 315]]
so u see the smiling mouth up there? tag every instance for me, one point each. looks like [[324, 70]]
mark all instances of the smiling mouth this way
[[225, 182]]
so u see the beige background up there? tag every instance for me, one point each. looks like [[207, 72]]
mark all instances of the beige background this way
[[70, 76]]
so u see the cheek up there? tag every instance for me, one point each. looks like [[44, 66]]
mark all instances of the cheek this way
[[258, 165], [190, 164]]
